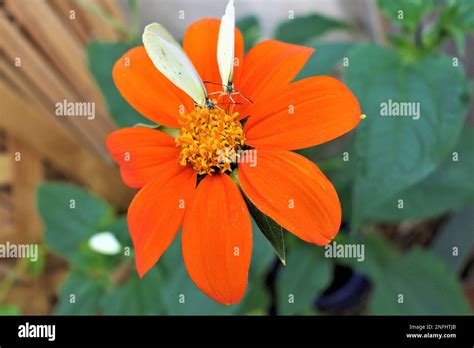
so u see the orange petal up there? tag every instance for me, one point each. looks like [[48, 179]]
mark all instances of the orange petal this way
[[306, 113], [156, 212], [142, 153], [148, 90], [217, 239], [269, 66], [200, 44], [295, 193]]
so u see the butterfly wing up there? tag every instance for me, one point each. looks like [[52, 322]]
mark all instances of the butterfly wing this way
[[225, 44], [169, 58]]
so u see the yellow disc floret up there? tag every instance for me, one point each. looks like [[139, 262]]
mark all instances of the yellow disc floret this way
[[210, 140]]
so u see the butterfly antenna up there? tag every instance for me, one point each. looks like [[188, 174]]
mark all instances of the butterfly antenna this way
[[230, 103], [213, 83], [245, 97]]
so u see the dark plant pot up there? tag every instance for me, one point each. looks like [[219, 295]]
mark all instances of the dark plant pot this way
[[347, 294]]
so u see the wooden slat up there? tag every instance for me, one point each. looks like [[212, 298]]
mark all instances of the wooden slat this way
[[6, 223], [5, 169], [27, 175], [53, 143], [62, 49], [39, 71], [78, 24], [20, 83]]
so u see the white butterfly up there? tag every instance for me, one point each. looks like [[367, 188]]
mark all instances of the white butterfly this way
[[225, 48], [170, 59], [225, 52]]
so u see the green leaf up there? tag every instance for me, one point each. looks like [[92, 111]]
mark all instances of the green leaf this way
[[119, 228], [182, 297], [71, 216], [83, 294], [325, 58], [271, 230], [80, 295], [393, 153], [449, 187], [464, 15], [8, 309], [135, 297], [427, 285], [455, 240], [256, 300], [262, 253], [406, 13], [101, 57], [378, 254], [304, 30], [251, 30], [298, 284]]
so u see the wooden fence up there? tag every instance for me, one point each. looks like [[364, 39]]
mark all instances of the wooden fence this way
[[42, 62]]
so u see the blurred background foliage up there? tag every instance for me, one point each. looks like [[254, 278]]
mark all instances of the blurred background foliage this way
[[428, 163]]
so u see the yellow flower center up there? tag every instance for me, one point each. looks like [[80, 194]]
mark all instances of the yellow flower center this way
[[210, 140]]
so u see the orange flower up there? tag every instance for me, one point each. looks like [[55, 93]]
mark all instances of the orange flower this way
[[181, 180]]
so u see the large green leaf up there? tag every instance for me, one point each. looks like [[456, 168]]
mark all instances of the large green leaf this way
[[262, 253], [304, 30], [426, 284], [270, 229], [83, 294], [406, 13], [119, 228], [80, 295], [449, 187], [455, 240], [71, 216], [393, 153], [464, 18], [257, 299], [306, 275], [182, 297], [101, 57], [414, 283], [325, 58], [136, 296]]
